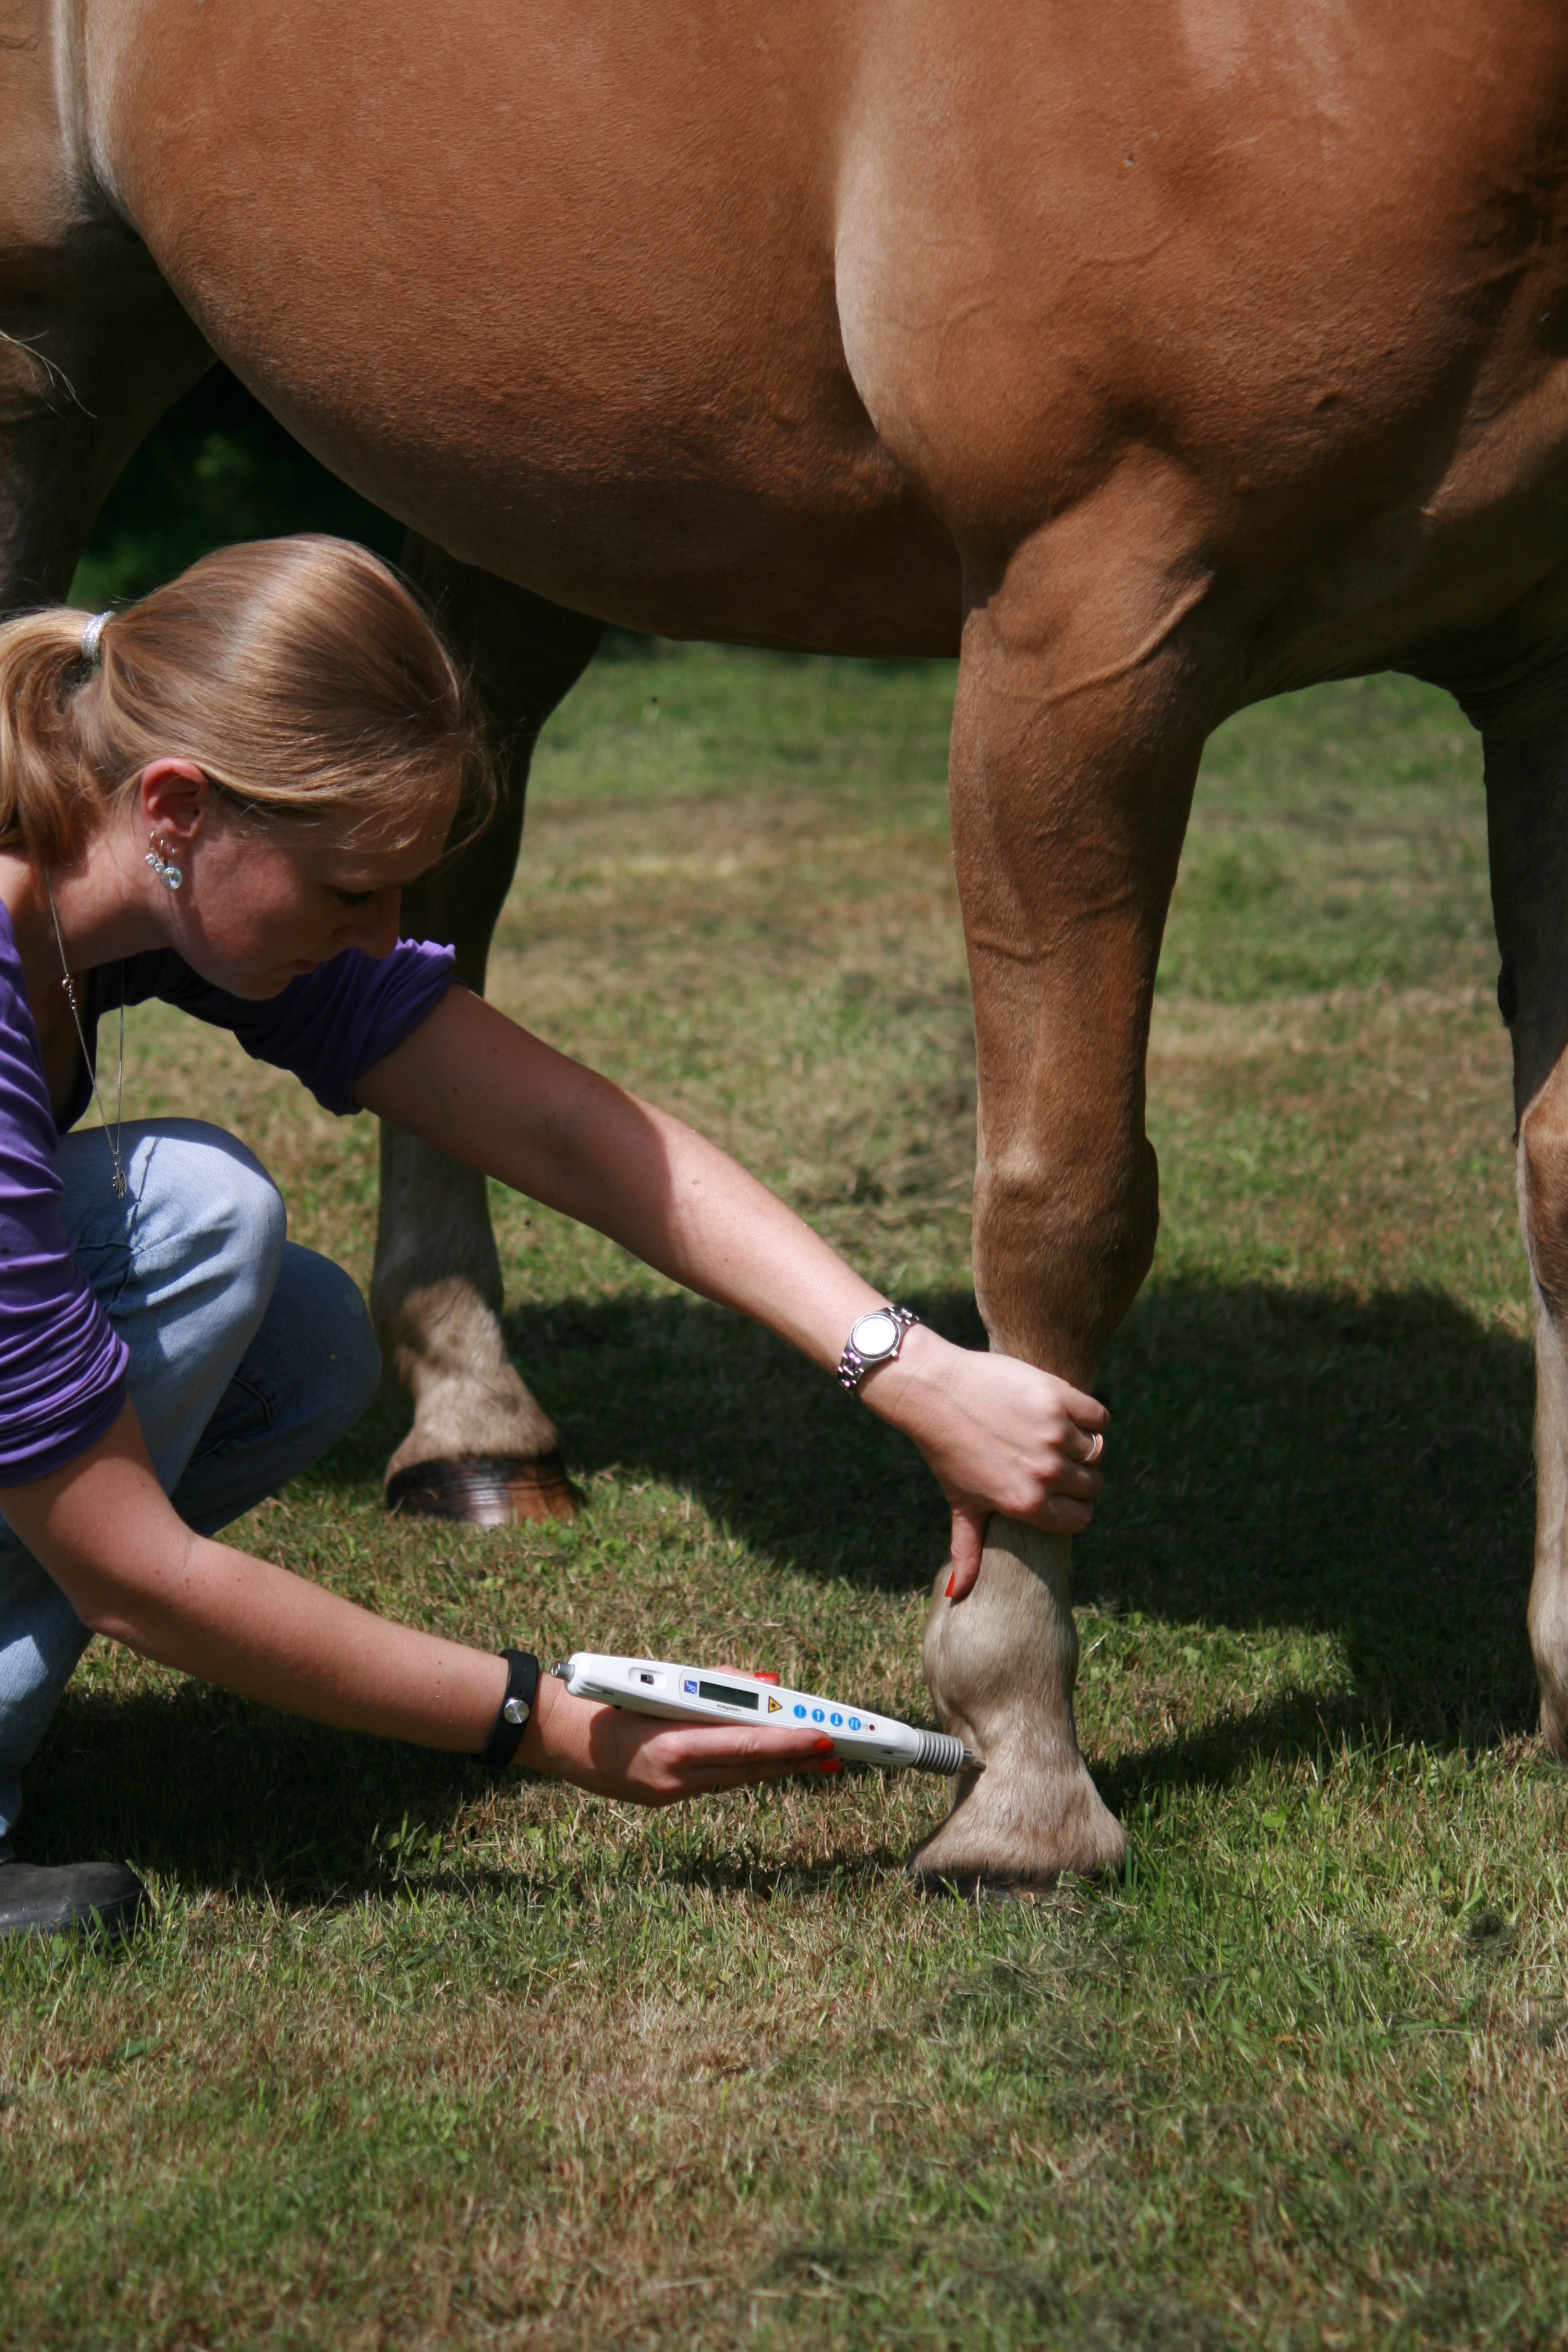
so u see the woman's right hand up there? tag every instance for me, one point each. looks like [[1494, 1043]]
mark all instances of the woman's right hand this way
[[1001, 1435], [642, 1761]]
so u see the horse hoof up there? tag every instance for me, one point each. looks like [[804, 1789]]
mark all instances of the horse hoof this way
[[1004, 1837], [484, 1490]]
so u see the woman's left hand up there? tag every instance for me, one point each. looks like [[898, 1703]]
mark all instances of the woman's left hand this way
[[1000, 1434]]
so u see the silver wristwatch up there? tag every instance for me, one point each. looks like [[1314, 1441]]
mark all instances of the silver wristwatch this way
[[875, 1339]]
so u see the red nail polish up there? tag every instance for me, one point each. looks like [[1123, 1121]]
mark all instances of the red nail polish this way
[[951, 1580], [835, 1765], [822, 1747]]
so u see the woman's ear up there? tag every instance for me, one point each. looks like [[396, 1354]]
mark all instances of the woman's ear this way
[[173, 799]]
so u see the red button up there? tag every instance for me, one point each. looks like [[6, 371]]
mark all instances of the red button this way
[[764, 1678]]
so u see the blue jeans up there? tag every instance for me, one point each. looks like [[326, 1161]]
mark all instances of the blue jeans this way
[[249, 1356]]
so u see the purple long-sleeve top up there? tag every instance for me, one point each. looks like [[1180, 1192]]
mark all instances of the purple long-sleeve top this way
[[62, 1369]]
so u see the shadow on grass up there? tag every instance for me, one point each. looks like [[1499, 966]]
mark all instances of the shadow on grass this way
[[1356, 1466], [1279, 1458], [206, 1789], [203, 1788], [1294, 1725]]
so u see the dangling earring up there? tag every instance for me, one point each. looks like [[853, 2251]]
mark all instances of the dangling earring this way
[[164, 867]]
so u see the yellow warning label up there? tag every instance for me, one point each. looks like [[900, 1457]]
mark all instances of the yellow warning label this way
[[775, 1707]]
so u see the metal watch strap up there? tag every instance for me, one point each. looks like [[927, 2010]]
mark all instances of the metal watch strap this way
[[521, 1689], [852, 1365]]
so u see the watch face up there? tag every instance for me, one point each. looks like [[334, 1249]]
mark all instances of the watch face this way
[[874, 1336]]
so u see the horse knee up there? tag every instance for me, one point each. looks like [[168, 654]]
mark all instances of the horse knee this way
[[1061, 1250]]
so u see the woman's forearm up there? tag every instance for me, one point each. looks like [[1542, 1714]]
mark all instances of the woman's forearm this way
[[107, 1535], [256, 1630], [129, 1568], [483, 1090], [684, 1207], [1000, 1435]]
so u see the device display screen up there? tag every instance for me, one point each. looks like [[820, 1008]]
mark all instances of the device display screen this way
[[725, 1695]]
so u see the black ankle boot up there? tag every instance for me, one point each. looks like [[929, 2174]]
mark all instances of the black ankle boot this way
[[95, 1897]]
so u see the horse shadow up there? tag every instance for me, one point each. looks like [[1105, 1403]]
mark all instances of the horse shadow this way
[[1279, 1459]]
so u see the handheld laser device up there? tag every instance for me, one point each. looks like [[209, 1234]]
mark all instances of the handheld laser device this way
[[707, 1695]]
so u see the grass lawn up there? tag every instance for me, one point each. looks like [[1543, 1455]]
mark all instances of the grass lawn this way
[[417, 2057]]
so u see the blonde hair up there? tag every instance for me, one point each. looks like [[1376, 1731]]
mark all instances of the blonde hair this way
[[302, 676]]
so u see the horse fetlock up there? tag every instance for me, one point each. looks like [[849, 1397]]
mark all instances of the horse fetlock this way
[[1001, 1664], [480, 1452], [457, 1417], [444, 1345]]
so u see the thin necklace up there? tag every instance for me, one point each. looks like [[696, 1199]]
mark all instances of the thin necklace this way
[[113, 1140]]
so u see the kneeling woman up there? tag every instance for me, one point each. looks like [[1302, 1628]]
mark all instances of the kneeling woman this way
[[215, 798]]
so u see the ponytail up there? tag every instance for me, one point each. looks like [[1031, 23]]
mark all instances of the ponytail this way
[[43, 797]]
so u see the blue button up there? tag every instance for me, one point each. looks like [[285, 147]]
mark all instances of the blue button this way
[[801, 1712], [854, 1723], [690, 1686], [836, 1719], [816, 1715]]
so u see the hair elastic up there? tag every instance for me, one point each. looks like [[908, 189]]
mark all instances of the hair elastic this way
[[93, 639]]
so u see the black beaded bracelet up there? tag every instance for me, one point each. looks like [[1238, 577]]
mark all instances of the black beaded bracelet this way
[[522, 1688]]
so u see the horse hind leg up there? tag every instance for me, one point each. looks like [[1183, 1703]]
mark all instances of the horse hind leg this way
[[480, 1449]]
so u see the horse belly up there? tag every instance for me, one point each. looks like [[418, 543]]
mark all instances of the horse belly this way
[[555, 285]]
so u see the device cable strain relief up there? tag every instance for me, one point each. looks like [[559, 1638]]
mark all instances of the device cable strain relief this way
[[940, 1752]]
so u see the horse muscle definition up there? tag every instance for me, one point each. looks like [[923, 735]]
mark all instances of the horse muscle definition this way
[[1155, 355]]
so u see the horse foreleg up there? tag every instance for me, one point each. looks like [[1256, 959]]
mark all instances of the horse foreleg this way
[[1527, 824], [480, 1449], [1071, 777]]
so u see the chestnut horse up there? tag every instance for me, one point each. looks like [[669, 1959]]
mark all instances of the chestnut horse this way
[[1154, 355]]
